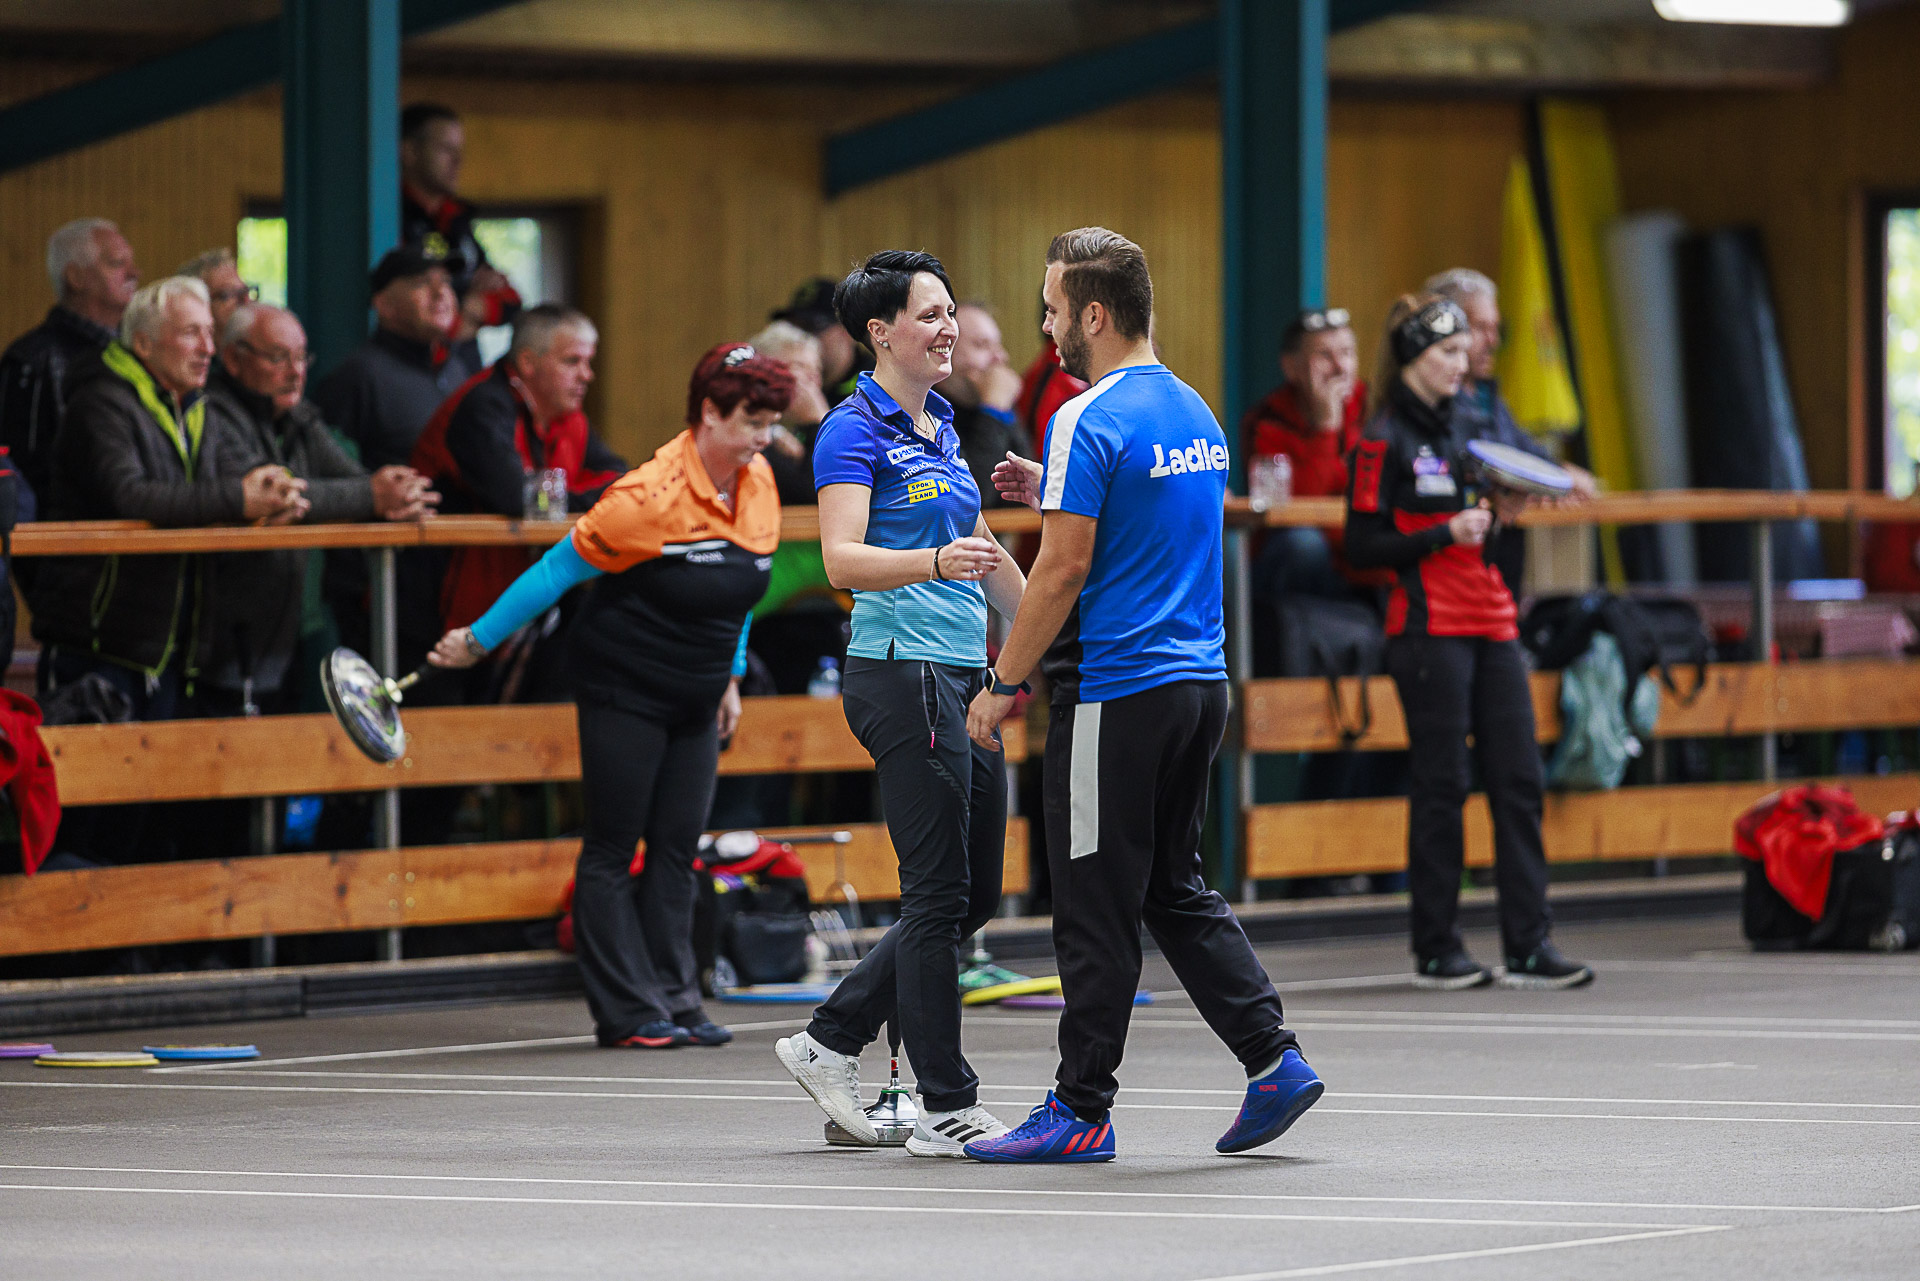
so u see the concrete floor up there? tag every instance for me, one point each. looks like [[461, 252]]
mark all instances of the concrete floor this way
[[1699, 1112]]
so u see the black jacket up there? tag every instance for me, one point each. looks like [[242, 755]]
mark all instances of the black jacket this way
[[1411, 474], [37, 374], [984, 442], [115, 461], [382, 395], [258, 597]]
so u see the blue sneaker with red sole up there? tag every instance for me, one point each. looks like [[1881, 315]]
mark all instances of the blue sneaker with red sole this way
[[1274, 1102], [1051, 1134]]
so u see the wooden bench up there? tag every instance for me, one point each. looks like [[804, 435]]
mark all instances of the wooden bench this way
[[1314, 838], [387, 889]]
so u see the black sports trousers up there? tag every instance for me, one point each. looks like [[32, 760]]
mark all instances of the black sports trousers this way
[[1450, 687], [945, 802], [1125, 797], [645, 778]]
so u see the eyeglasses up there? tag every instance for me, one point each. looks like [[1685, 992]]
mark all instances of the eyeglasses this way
[[279, 359], [245, 293], [1314, 322]]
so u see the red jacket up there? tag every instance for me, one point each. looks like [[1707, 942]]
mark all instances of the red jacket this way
[[27, 773], [1795, 833], [1277, 426], [1043, 389]]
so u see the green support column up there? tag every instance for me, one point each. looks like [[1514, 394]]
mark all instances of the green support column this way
[[1273, 162], [1273, 165], [342, 161]]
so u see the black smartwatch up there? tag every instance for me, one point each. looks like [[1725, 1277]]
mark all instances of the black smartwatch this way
[[1005, 690]]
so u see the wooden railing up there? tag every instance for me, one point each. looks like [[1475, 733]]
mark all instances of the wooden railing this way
[[1313, 838], [387, 888]]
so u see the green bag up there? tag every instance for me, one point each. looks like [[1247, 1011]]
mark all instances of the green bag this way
[[1597, 735]]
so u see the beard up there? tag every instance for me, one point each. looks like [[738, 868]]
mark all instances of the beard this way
[[1076, 354]]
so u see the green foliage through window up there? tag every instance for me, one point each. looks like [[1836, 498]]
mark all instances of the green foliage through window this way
[[1903, 350]]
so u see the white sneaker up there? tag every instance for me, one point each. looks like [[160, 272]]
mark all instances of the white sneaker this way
[[948, 1133], [832, 1078]]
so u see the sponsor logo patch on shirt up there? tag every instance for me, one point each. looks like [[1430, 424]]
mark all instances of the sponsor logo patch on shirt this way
[[919, 491], [900, 453], [1199, 456]]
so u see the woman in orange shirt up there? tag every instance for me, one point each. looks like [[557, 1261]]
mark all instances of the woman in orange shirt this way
[[679, 550]]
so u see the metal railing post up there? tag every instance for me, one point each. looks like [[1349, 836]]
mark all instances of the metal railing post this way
[[1236, 764], [386, 660], [1762, 631]]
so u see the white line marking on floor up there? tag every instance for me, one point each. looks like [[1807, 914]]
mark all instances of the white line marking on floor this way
[[1373, 1265], [425, 1050], [970, 1190], [809, 1207], [1002, 1103], [1615, 1020], [1588, 1100], [1516, 1029]]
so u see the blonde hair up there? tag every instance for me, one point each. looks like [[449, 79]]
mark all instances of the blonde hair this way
[[148, 310]]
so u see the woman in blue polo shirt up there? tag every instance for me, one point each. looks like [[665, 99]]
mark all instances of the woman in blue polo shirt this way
[[900, 526]]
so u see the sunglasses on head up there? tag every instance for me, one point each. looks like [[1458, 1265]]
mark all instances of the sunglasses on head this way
[[1314, 322]]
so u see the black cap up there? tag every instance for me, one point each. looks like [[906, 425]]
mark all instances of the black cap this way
[[811, 307], [409, 259]]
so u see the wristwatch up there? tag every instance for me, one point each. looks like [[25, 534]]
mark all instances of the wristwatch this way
[[1005, 690]]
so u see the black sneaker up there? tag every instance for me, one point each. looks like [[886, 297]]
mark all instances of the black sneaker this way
[[1451, 973], [657, 1035], [1544, 967], [707, 1032]]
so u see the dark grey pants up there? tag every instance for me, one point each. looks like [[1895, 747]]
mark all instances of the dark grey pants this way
[[1125, 796], [945, 802], [645, 779]]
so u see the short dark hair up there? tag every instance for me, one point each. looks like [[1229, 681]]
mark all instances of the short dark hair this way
[[1105, 267], [416, 116], [733, 374], [877, 289]]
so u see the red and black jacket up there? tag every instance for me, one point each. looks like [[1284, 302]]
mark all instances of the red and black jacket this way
[[479, 448], [1411, 473]]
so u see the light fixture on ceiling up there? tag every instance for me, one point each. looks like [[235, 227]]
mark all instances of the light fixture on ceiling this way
[[1771, 13]]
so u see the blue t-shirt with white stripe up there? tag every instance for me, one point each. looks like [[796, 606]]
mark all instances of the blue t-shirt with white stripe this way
[[923, 497], [1141, 452]]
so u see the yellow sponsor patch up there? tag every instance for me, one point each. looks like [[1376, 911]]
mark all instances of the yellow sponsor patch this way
[[919, 491]]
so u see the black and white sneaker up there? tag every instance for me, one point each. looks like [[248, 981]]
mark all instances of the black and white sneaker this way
[[1451, 973], [1544, 968], [833, 1079], [948, 1133]]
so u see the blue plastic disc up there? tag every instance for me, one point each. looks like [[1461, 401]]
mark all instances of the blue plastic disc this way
[[200, 1052]]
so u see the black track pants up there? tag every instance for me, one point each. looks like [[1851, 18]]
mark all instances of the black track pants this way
[[1450, 687], [945, 802], [1126, 794], [645, 779]]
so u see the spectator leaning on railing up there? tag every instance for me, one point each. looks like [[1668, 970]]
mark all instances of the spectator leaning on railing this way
[[226, 292], [93, 274], [267, 601], [135, 446]]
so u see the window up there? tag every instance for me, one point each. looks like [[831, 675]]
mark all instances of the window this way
[[1901, 371], [535, 249]]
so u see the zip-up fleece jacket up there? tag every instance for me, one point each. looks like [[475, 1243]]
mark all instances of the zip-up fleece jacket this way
[[130, 450]]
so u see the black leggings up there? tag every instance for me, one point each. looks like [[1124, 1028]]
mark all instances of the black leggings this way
[[945, 801], [1450, 687], [645, 779]]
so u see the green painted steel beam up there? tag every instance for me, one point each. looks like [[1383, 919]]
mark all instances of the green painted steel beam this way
[[1273, 168], [341, 117], [1051, 95], [235, 61]]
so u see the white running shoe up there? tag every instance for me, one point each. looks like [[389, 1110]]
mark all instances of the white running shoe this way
[[948, 1133], [832, 1078]]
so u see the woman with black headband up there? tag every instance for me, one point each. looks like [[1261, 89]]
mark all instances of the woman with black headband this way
[[1414, 506], [680, 548]]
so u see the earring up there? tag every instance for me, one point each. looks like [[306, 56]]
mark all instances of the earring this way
[[886, 344]]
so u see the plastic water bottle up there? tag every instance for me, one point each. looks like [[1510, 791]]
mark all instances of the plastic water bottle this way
[[826, 681]]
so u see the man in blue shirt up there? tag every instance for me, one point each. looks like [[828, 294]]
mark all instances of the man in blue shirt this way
[[1128, 580]]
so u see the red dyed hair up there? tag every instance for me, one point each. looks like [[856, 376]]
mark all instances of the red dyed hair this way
[[734, 374]]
